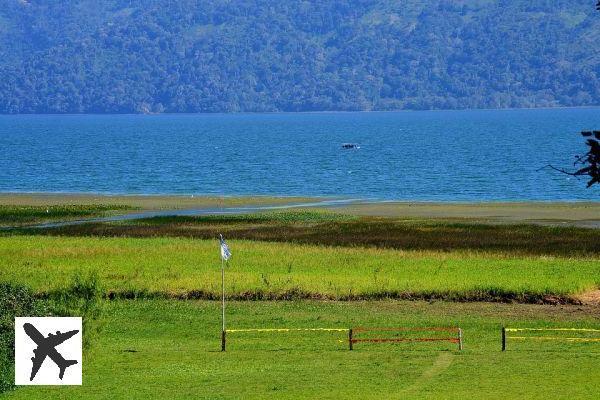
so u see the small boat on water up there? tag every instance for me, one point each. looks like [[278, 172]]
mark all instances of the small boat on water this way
[[350, 146]]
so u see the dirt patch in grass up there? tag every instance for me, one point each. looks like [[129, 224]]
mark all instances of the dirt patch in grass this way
[[590, 298]]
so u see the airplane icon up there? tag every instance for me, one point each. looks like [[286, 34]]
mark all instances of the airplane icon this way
[[46, 347]]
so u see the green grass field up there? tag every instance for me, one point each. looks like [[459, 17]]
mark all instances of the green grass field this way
[[170, 349], [332, 270], [179, 267]]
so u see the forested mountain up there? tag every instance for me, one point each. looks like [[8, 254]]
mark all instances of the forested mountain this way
[[121, 56]]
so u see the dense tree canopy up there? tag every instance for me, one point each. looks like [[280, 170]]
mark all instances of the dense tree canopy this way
[[115, 56]]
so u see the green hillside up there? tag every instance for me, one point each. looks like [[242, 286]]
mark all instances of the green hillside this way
[[118, 56]]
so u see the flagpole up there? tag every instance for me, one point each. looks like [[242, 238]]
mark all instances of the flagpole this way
[[223, 303], [225, 254]]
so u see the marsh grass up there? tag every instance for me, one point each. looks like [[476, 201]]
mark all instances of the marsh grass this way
[[330, 229], [302, 216], [15, 215], [190, 268]]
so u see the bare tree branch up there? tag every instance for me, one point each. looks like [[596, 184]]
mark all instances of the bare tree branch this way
[[590, 161], [559, 170]]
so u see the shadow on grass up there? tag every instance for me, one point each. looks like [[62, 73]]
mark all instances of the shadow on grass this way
[[481, 295]]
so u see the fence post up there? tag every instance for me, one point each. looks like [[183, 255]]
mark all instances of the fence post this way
[[460, 343], [223, 340], [350, 338], [503, 339]]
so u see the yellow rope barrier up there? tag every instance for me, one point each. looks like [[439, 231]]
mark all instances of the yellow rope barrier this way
[[287, 330], [568, 339], [552, 329]]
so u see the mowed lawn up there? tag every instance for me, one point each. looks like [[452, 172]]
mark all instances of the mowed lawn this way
[[171, 349], [190, 267]]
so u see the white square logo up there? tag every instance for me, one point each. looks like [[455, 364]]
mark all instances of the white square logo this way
[[48, 350]]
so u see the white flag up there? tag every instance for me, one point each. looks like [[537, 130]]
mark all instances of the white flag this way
[[225, 253]]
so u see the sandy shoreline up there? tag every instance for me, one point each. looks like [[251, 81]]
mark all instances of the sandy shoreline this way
[[146, 202], [582, 214]]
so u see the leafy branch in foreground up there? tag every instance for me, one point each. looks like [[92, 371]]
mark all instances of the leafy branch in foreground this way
[[589, 163]]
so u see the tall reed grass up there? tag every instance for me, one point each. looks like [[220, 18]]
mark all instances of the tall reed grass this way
[[179, 267]]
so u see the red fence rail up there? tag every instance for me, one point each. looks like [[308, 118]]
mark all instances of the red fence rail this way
[[352, 339]]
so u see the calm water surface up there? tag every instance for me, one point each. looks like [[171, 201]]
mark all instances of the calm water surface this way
[[442, 155]]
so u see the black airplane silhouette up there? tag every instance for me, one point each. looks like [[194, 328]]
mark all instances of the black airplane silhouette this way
[[46, 347]]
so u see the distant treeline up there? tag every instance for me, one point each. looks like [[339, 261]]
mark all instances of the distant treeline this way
[[123, 56]]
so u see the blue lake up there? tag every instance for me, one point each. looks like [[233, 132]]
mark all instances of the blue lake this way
[[438, 155]]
